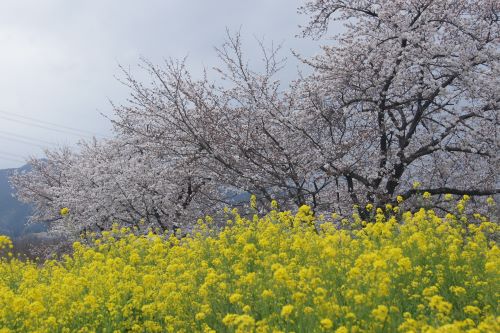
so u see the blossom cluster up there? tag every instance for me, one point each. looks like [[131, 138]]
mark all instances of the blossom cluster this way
[[282, 272]]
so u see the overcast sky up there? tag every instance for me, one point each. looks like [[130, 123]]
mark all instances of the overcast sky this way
[[59, 58]]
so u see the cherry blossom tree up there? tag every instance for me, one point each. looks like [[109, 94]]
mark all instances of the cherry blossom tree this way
[[239, 134], [409, 91], [109, 182]]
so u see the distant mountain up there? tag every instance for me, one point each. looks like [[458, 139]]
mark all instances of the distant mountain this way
[[13, 213]]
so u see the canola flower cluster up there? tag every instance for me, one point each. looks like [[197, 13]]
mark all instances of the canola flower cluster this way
[[283, 272]]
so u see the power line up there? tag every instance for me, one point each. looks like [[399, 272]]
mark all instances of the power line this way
[[44, 127], [22, 141], [11, 159], [28, 138], [58, 126], [11, 154]]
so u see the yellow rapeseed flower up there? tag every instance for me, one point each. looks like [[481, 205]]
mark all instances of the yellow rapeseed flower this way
[[64, 211], [380, 313], [326, 323], [292, 270], [235, 298], [287, 310], [472, 310]]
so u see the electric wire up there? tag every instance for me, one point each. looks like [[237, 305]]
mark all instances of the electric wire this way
[[3, 158], [22, 141], [11, 154], [9, 115], [23, 137], [44, 127], [30, 141]]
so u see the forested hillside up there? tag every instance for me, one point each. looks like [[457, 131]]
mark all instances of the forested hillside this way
[[13, 213]]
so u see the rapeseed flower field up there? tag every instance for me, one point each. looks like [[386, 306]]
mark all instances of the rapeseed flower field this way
[[282, 272]]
